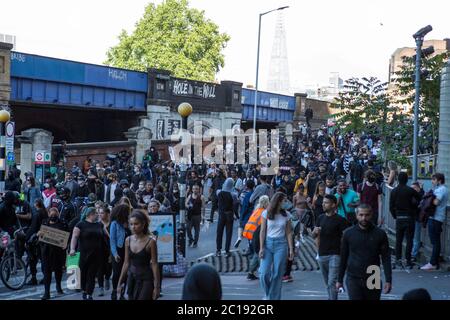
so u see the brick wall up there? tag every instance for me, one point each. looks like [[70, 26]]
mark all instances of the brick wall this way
[[95, 150]]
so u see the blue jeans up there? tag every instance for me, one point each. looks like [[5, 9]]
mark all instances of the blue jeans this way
[[435, 230], [272, 267], [329, 265], [416, 242]]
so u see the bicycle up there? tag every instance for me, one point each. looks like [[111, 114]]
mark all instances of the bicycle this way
[[13, 271]]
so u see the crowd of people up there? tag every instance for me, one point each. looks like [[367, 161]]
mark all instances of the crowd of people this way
[[328, 185]]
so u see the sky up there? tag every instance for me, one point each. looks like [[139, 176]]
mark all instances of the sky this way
[[353, 37]]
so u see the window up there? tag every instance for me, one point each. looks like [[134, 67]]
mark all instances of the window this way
[[160, 85], [236, 95], [2, 64]]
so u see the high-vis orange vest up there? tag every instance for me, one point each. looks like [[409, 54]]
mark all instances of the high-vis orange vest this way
[[253, 223]]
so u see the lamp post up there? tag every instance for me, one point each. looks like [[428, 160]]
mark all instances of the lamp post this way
[[419, 37], [184, 110], [4, 118], [257, 68]]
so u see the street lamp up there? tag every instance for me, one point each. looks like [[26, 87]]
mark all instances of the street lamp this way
[[257, 68], [419, 37], [184, 110], [4, 118]]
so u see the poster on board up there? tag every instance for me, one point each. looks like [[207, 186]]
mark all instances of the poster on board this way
[[163, 227]]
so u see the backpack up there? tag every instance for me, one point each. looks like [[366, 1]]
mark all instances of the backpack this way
[[427, 207], [363, 185]]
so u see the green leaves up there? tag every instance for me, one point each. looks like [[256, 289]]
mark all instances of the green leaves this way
[[174, 37], [363, 104], [404, 92]]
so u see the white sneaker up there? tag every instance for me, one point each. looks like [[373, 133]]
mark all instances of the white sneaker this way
[[297, 244], [317, 257], [428, 267]]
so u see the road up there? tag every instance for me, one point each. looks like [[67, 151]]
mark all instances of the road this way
[[307, 285]]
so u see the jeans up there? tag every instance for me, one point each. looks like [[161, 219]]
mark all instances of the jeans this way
[[435, 230], [225, 221], [194, 222], [416, 242], [329, 265], [357, 290], [404, 228], [272, 266]]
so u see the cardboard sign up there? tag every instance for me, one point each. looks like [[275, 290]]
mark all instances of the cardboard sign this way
[[54, 236]]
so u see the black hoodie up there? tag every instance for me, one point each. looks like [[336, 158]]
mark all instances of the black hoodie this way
[[8, 219], [362, 248]]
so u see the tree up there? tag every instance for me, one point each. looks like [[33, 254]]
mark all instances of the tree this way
[[173, 37], [366, 109], [404, 92], [364, 106]]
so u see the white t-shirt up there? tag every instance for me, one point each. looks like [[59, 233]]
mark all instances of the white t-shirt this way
[[276, 228]]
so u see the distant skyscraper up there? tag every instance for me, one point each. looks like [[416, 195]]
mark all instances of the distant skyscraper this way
[[278, 80]]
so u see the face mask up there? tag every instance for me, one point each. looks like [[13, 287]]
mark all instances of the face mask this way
[[371, 180], [53, 219], [46, 185]]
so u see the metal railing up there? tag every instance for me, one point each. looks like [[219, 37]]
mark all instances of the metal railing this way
[[427, 164], [389, 227]]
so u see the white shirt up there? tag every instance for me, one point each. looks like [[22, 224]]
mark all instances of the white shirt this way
[[276, 228]]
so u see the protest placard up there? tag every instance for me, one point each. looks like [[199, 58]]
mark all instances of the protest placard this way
[[54, 236]]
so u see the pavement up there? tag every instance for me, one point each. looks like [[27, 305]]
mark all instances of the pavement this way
[[307, 285]]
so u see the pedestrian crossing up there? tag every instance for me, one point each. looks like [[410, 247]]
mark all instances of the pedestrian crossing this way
[[239, 261]]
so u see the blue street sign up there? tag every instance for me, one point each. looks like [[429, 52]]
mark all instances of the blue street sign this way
[[10, 157]]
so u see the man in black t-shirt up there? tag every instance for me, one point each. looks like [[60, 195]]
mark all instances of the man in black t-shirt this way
[[329, 229]]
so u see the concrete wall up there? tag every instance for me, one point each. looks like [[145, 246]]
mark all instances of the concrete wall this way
[[443, 162]]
